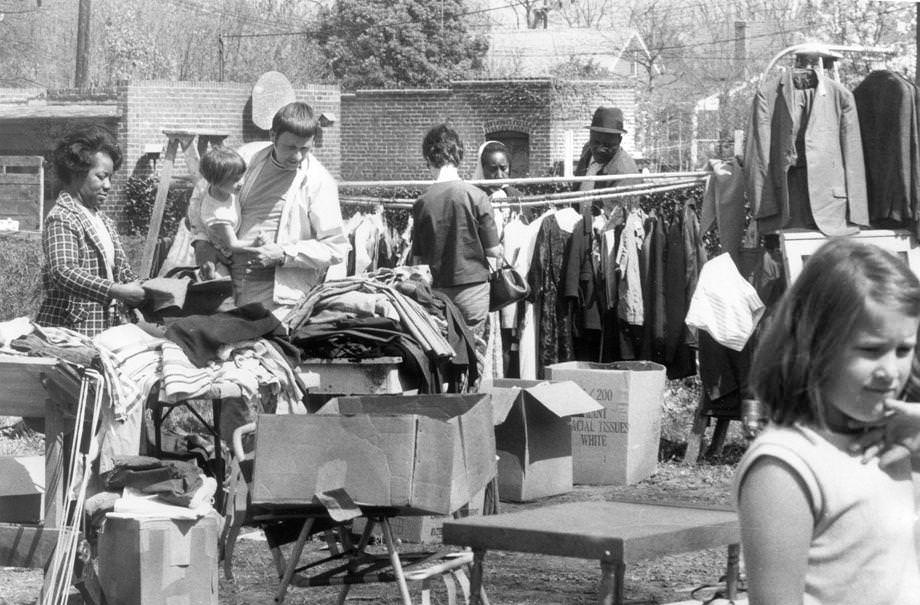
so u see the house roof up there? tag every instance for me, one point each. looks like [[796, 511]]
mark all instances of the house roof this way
[[534, 52], [41, 112]]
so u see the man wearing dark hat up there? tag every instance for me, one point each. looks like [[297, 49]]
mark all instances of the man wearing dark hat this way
[[602, 153]]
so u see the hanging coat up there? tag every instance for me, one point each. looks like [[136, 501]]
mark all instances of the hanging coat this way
[[887, 107], [836, 187]]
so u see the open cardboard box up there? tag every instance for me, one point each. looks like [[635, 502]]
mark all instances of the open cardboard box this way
[[617, 445], [533, 435], [422, 454]]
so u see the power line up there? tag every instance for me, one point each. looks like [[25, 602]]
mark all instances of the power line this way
[[396, 24], [203, 9]]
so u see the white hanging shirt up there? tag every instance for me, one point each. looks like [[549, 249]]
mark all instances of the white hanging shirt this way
[[725, 304]]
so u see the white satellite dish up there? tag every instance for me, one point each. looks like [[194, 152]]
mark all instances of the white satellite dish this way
[[271, 92]]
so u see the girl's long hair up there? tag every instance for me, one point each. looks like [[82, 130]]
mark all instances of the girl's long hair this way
[[816, 319]]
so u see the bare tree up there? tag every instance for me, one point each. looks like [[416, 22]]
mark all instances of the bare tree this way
[[585, 13]]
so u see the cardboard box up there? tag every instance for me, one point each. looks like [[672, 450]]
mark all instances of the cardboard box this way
[[619, 444], [152, 561], [422, 454], [424, 529], [533, 435], [22, 489]]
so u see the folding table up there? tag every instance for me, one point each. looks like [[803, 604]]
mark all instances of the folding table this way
[[613, 533]]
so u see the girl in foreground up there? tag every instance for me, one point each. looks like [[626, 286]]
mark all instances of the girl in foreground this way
[[817, 524]]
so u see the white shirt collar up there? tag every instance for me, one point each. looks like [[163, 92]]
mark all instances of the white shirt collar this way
[[448, 172]]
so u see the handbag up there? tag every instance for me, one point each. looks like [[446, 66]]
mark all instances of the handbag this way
[[506, 286]]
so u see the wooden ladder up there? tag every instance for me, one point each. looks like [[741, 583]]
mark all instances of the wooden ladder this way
[[174, 139]]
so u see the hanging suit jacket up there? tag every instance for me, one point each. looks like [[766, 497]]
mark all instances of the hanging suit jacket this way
[[833, 154], [887, 107]]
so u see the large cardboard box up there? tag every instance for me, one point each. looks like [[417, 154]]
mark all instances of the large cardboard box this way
[[619, 444], [152, 560], [422, 454], [533, 435], [22, 489]]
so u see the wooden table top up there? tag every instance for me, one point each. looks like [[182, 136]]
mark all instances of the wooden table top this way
[[629, 531]]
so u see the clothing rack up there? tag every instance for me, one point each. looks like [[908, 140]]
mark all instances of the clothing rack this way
[[562, 198], [534, 180]]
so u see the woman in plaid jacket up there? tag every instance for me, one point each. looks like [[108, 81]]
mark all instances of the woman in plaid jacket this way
[[86, 272]]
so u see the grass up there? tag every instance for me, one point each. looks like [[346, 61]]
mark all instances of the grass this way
[[17, 439]]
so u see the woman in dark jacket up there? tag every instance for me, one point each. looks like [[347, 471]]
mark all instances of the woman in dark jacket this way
[[454, 230]]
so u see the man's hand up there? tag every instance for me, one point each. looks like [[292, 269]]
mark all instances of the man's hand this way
[[263, 257], [898, 439]]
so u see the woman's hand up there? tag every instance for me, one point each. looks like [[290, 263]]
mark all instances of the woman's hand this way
[[131, 293], [898, 439]]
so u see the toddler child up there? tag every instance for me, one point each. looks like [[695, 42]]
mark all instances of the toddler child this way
[[223, 169]]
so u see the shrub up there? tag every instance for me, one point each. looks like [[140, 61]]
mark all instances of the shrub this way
[[20, 280], [141, 193]]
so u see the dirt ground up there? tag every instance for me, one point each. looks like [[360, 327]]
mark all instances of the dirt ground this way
[[510, 578]]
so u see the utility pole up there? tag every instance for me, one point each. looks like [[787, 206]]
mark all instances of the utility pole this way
[[81, 77], [220, 57]]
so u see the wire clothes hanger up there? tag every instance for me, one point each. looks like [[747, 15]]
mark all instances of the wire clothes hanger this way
[[822, 51]]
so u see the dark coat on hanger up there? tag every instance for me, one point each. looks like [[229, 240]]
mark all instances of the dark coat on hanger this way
[[887, 108], [833, 154]]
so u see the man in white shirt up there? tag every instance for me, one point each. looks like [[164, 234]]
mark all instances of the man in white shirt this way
[[290, 201]]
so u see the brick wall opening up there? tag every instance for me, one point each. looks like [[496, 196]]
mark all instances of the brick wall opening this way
[[518, 144]]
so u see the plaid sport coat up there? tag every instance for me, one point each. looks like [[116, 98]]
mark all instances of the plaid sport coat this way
[[76, 288]]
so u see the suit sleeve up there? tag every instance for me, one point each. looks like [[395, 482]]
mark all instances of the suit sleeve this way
[[854, 165], [61, 242], [756, 152]]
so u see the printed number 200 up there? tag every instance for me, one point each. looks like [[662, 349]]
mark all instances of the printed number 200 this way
[[602, 394]]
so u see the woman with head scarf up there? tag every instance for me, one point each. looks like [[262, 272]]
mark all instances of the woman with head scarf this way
[[494, 163]]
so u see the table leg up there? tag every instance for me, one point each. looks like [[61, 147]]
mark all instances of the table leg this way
[[476, 576], [613, 572], [732, 571], [54, 464], [220, 470], [394, 561], [296, 551]]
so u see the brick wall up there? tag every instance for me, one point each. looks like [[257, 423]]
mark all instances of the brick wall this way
[[20, 95], [378, 135], [150, 107], [382, 130]]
